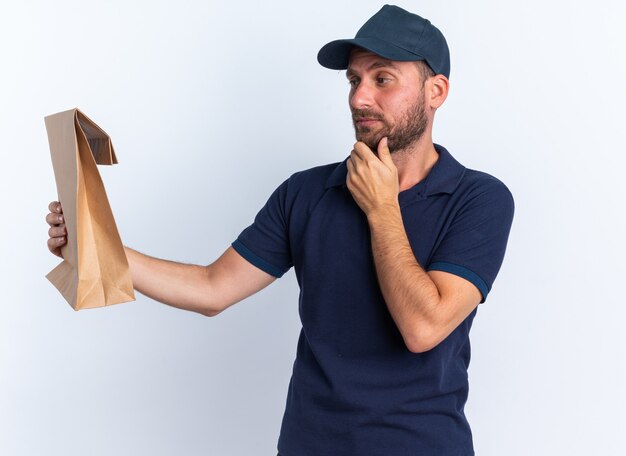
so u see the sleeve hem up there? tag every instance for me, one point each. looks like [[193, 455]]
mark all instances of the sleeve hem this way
[[256, 260], [463, 272]]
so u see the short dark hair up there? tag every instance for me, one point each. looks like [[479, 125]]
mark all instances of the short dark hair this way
[[425, 70]]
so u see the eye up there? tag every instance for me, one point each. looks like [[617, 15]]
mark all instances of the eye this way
[[353, 82], [381, 80]]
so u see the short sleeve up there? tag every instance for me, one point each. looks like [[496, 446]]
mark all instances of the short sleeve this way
[[265, 243], [474, 246]]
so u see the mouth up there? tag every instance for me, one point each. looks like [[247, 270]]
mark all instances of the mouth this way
[[366, 121]]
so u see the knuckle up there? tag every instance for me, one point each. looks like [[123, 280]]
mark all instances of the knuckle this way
[[54, 219], [56, 231], [55, 207]]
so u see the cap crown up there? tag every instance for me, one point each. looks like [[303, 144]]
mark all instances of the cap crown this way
[[410, 32], [395, 34]]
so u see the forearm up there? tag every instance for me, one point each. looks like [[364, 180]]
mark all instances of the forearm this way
[[426, 306], [411, 296], [185, 286]]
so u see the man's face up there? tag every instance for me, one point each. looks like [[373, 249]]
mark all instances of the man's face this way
[[386, 99]]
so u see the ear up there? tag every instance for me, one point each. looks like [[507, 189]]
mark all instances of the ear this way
[[437, 92]]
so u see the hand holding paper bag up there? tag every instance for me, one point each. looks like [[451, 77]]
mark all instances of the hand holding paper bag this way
[[94, 272]]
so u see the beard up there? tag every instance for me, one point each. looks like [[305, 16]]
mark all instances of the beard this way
[[408, 130]]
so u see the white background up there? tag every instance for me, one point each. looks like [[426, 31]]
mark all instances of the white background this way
[[211, 104]]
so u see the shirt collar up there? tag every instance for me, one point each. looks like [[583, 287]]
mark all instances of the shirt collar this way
[[444, 177]]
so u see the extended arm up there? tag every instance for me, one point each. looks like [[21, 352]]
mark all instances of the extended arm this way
[[204, 289]]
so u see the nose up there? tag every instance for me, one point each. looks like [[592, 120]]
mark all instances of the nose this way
[[362, 96]]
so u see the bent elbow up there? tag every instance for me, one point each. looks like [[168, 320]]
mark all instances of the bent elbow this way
[[419, 347], [419, 342]]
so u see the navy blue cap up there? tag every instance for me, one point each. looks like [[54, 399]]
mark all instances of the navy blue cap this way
[[395, 34]]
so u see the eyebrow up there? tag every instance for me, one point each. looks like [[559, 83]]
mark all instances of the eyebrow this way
[[373, 66]]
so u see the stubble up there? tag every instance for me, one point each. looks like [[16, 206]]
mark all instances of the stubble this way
[[407, 131]]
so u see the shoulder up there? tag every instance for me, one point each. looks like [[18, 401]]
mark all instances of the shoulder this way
[[312, 180], [303, 188], [482, 186], [314, 174]]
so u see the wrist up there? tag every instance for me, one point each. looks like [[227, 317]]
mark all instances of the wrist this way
[[384, 212]]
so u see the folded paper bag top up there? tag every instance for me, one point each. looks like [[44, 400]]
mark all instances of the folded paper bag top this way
[[94, 271]]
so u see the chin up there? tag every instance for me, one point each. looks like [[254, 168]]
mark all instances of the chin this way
[[370, 139]]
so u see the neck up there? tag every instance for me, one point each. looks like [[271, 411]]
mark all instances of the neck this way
[[415, 162]]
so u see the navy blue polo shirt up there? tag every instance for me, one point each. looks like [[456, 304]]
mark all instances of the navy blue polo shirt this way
[[355, 388]]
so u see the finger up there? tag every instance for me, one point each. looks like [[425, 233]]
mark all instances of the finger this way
[[351, 175], [363, 150], [54, 219], [55, 207], [55, 244], [383, 151], [351, 168], [57, 231], [355, 159], [356, 155]]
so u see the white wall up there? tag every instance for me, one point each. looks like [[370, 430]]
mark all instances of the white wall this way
[[211, 104]]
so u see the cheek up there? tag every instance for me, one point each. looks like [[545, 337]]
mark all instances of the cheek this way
[[403, 103], [397, 103]]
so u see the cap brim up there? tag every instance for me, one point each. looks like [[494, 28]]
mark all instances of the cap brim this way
[[336, 54]]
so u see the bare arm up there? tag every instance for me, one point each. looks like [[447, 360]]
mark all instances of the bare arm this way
[[426, 306], [204, 289]]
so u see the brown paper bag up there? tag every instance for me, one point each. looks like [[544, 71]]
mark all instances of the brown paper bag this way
[[94, 272]]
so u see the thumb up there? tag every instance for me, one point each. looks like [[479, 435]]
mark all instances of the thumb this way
[[383, 151]]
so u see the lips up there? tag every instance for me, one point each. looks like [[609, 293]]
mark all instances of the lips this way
[[365, 122], [365, 117]]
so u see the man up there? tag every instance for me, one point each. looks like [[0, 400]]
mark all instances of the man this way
[[393, 249]]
